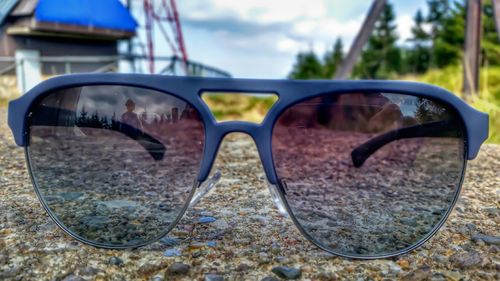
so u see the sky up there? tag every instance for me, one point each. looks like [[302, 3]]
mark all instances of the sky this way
[[261, 38]]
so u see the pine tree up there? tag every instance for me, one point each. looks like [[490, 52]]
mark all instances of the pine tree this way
[[490, 46], [418, 60], [94, 120], [307, 66], [333, 59], [82, 119], [438, 11], [381, 59], [104, 122], [448, 31]]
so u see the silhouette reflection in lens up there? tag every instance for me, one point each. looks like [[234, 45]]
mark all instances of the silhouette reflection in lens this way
[[111, 164]]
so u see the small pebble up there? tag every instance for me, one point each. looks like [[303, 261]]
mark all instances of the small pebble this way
[[207, 219], [178, 269], [326, 276], [212, 244], [157, 278], [115, 261], [440, 258], [88, 271], [403, 263], [73, 278], [269, 278], [307, 268], [466, 260], [169, 241], [213, 277], [287, 273], [438, 277], [453, 275], [243, 267], [490, 240], [420, 274], [172, 253], [150, 268], [282, 259], [196, 254], [494, 249]]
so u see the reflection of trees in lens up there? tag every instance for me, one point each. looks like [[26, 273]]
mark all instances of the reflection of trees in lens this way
[[348, 112], [428, 111]]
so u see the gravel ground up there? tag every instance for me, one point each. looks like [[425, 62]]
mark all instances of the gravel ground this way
[[236, 233]]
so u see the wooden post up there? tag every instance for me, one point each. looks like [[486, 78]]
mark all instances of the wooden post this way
[[357, 46], [472, 47], [496, 13]]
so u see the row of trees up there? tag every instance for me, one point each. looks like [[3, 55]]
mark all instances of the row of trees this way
[[437, 41]]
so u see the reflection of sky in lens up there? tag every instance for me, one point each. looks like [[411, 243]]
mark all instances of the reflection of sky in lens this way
[[407, 104], [109, 100]]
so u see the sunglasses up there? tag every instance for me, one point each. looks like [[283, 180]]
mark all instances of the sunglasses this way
[[364, 169]]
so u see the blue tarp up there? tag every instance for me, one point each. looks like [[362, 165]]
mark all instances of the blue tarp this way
[[106, 14]]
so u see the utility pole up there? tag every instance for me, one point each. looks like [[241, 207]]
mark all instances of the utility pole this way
[[472, 47], [496, 13], [364, 34]]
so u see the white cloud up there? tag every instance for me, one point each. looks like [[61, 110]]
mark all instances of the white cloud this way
[[254, 11], [405, 23], [287, 45], [326, 28], [282, 26], [256, 30]]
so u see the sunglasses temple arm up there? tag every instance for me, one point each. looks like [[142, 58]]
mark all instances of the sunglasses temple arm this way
[[208, 185], [435, 129], [153, 146]]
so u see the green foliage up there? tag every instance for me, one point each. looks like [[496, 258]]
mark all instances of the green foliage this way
[[449, 39], [490, 45], [433, 55], [418, 59], [437, 42], [252, 108], [488, 99], [381, 58], [333, 59], [439, 11], [307, 66]]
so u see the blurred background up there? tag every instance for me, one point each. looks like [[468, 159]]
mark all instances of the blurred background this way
[[451, 43]]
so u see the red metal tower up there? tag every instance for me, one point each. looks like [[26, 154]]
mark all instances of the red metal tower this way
[[159, 13]]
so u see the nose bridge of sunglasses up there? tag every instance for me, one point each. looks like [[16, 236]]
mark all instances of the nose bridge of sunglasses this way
[[205, 188], [278, 202], [239, 106], [208, 185]]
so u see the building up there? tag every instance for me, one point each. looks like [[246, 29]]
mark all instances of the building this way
[[52, 37]]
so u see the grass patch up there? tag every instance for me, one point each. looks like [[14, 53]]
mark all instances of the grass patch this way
[[487, 100], [240, 107]]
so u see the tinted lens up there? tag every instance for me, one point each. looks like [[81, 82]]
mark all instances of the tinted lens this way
[[369, 174], [115, 165]]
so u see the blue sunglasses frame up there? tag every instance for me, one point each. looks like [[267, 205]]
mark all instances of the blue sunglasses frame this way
[[289, 92]]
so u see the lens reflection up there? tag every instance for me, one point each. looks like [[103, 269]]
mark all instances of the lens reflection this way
[[369, 174], [115, 165]]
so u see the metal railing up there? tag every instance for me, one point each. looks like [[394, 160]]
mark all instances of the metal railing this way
[[171, 65]]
